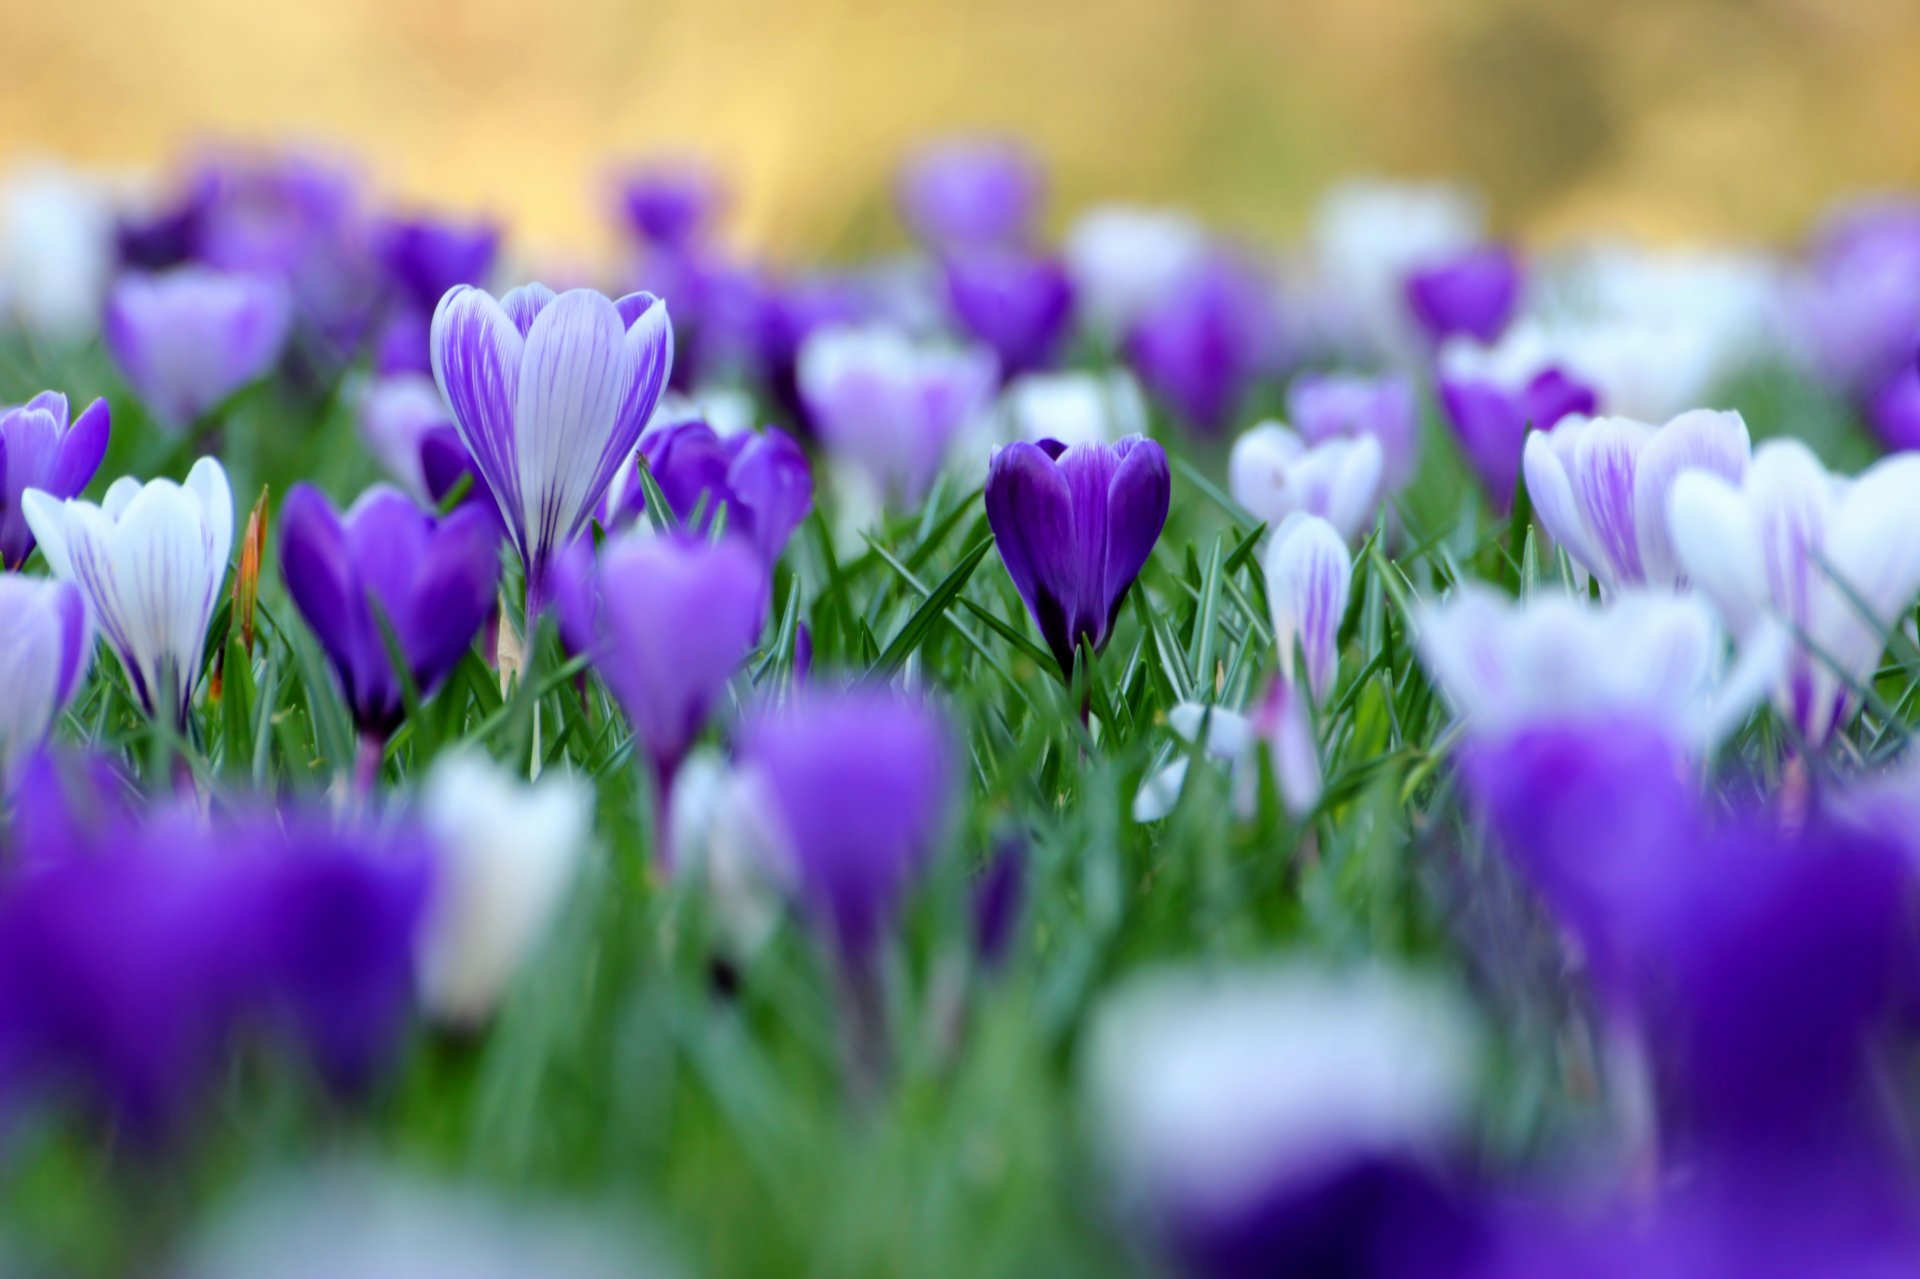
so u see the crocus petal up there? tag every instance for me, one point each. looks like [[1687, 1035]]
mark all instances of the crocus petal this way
[[477, 352], [1550, 489], [1138, 497], [1604, 456], [1030, 511], [1717, 546], [1702, 440], [1309, 574], [575, 373], [81, 451], [1872, 550]]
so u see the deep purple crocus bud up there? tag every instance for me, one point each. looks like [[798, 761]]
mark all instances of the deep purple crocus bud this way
[[1893, 411], [1493, 399], [166, 234], [1074, 527], [39, 449], [1472, 295], [671, 203], [187, 340], [857, 784], [550, 394], [429, 581], [998, 897], [1018, 305], [425, 257], [676, 617], [1200, 350], [1343, 406], [762, 478], [970, 193]]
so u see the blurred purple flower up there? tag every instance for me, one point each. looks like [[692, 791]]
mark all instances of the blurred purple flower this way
[[676, 616], [999, 897], [424, 257], [40, 449], [971, 193], [1471, 295], [1345, 406], [1074, 526], [388, 565], [1202, 346], [671, 203], [762, 478], [1860, 304], [46, 646], [1491, 417], [858, 784], [1893, 410], [550, 394], [187, 340], [1018, 305]]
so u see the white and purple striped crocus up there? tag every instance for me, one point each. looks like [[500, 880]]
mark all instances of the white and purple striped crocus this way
[[150, 560], [1074, 526], [40, 449], [1309, 573], [187, 339], [46, 645], [1346, 406], [1285, 1118], [388, 567], [892, 407], [550, 393], [1274, 473], [1601, 485], [673, 619], [1793, 554]]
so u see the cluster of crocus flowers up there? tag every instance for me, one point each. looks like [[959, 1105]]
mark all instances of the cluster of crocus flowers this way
[[1074, 526], [1273, 473], [1494, 396], [550, 393]]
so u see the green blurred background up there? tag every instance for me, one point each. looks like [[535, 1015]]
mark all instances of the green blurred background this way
[[1670, 117]]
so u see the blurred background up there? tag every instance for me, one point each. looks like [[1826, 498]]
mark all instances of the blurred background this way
[[1668, 117]]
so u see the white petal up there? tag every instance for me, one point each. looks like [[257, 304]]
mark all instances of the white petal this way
[[1717, 545], [1702, 440], [1160, 791], [1309, 575], [1258, 471], [207, 483], [573, 376], [1551, 490]]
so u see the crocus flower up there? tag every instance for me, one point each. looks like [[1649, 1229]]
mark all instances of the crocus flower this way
[[507, 854], [550, 394], [188, 339], [677, 616], [1329, 406], [1858, 308], [46, 645], [762, 479], [724, 840], [1274, 473], [671, 203], [892, 407], [1493, 397], [40, 450], [1893, 411], [1283, 1119], [858, 785], [1230, 738], [971, 193], [1201, 347], [388, 566], [1472, 295], [1017, 305], [1074, 526], [150, 559], [1600, 486], [1074, 408], [398, 417], [1832, 562], [56, 250], [998, 897], [1370, 234], [1309, 573], [424, 257], [1124, 259], [1505, 665]]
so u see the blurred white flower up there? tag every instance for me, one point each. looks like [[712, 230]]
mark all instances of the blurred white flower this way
[[1309, 573], [509, 853], [723, 842], [1369, 234], [1230, 739], [1074, 408], [1274, 473], [1125, 258], [56, 250]]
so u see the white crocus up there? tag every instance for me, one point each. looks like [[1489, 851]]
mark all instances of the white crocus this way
[[1230, 739], [46, 644], [150, 560], [1274, 473], [1505, 665], [1309, 574], [1211, 1092], [56, 250], [1600, 486], [1370, 234], [1125, 259], [509, 853], [1074, 408], [722, 841], [1797, 555]]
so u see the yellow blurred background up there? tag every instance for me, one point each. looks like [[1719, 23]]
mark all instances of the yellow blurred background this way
[[1672, 117]]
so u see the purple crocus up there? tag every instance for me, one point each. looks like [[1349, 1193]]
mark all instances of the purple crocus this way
[[1201, 348], [1493, 399], [422, 258], [971, 193], [858, 784], [1016, 304], [388, 566], [188, 339], [1893, 411], [676, 617], [1074, 527], [761, 478], [671, 203], [1472, 295], [46, 644], [39, 449], [1345, 406], [550, 394], [998, 902]]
